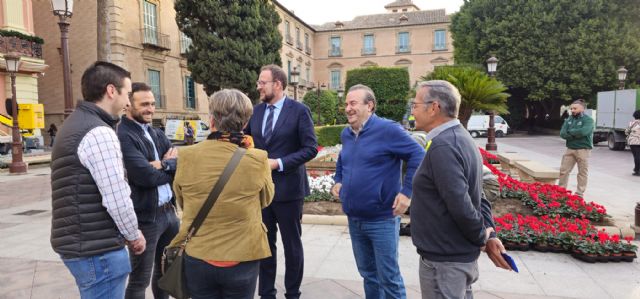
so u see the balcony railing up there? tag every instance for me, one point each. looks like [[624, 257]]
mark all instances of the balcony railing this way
[[22, 47], [403, 49], [185, 44], [289, 39], [335, 52], [368, 51], [155, 39], [307, 50], [299, 45]]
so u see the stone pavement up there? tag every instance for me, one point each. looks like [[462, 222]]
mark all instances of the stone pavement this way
[[30, 269]]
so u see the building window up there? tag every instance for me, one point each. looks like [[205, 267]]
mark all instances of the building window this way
[[335, 49], [189, 93], [287, 32], [298, 41], [154, 83], [308, 75], [150, 17], [403, 43], [440, 40], [307, 48], [368, 45], [288, 70], [335, 79]]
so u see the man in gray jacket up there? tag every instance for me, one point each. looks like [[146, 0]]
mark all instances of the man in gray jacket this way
[[450, 219]]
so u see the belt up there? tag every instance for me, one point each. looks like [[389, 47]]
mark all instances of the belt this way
[[166, 207]]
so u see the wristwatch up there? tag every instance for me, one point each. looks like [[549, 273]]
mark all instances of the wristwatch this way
[[492, 235], [165, 166]]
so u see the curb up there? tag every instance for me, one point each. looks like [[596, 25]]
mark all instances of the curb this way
[[340, 220]]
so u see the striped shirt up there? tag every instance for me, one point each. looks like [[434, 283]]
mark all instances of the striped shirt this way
[[99, 151]]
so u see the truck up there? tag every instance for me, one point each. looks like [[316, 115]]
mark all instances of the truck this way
[[614, 113], [30, 118], [478, 125]]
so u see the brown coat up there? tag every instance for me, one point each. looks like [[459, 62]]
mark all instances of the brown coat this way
[[233, 230]]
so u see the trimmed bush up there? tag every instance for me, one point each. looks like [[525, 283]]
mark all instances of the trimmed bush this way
[[390, 85], [329, 135], [328, 108]]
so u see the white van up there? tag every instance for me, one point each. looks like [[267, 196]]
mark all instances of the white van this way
[[174, 130], [479, 124]]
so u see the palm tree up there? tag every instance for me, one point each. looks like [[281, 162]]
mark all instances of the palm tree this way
[[478, 91]]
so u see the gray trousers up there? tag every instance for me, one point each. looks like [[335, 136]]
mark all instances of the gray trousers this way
[[447, 280]]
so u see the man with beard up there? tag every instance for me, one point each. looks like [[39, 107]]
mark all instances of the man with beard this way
[[283, 127], [150, 180], [577, 130], [373, 193]]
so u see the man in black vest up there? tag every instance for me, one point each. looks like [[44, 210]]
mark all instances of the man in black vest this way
[[92, 213], [150, 161]]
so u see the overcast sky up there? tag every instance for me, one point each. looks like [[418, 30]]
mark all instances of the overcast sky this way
[[320, 12]]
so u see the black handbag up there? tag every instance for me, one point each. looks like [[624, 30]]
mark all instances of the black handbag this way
[[172, 264]]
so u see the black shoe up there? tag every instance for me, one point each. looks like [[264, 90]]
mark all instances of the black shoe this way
[[405, 229], [636, 173]]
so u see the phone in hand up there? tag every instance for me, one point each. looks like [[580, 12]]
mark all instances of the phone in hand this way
[[510, 261]]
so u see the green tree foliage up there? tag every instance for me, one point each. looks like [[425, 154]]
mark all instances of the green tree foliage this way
[[551, 50], [231, 41], [478, 91], [390, 85], [327, 109]]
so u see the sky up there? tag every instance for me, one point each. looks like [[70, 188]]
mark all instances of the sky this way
[[320, 12]]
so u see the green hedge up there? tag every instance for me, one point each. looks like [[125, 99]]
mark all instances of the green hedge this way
[[329, 135], [328, 108], [390, 85], [31, 38]]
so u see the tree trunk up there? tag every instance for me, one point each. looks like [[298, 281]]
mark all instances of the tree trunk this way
[[104, 35], [464, 115]]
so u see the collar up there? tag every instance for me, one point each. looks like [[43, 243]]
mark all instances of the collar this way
[[144, 127], [279, 103], [363, 124], [441, 128], [99, 112]]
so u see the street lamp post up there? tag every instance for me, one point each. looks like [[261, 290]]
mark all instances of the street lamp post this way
[[492, 64], [340, 95], [294, 82], [318, 106], [17, 166], [622, 76], [64, 10]]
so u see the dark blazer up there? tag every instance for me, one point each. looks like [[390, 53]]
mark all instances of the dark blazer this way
[[293, 141], [143, 178]]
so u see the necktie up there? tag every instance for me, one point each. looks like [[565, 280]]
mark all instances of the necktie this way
[[268, 130]]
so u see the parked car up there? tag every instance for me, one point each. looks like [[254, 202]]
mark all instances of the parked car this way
[[478, 125]]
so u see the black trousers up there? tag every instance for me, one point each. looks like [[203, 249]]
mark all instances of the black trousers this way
[[286, 216], [635, 150], [206, 281], [158, 235]]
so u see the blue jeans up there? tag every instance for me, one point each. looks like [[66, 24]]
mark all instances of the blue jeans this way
[[101, 276], [206, 281], [375, 247]]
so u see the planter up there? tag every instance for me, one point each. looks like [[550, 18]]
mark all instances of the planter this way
[[510, 245], [541, 247], [523, 247], [588, 258], [556, 248], [603, 258], [615, 257], [628, 256]]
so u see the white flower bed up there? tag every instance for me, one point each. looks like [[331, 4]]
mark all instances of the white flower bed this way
[[321, 183], [330, 150]]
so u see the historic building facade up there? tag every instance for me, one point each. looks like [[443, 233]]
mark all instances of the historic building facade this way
[[144, 39], [16, 37]]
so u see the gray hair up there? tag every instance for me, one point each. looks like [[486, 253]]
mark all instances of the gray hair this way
[[445, 93], [369, 96], [230, 109]]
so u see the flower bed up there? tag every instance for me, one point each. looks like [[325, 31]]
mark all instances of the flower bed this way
[[564, 223]]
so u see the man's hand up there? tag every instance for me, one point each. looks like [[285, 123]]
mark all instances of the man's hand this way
[[401, 204], [494, 250], [335, 190], [273, 163], [138, 245], [172, 153], [156, 164]]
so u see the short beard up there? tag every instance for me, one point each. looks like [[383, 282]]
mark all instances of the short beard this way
[[139, 118], [268, 98]]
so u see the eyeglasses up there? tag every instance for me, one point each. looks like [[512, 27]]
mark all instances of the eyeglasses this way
[[414, 104], [263, 83]]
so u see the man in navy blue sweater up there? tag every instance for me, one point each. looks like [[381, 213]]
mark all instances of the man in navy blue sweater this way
[[368, 182], [451, 220]]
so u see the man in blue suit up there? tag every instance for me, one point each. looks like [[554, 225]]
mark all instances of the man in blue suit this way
[[283, 127]]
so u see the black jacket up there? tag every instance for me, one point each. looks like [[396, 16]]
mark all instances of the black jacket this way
[[80, 224], [143, 178]]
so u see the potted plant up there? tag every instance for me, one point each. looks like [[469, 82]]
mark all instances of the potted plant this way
[[628, 250], [588, 250]]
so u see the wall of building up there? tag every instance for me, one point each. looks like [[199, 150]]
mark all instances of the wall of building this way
[[421, 59]]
